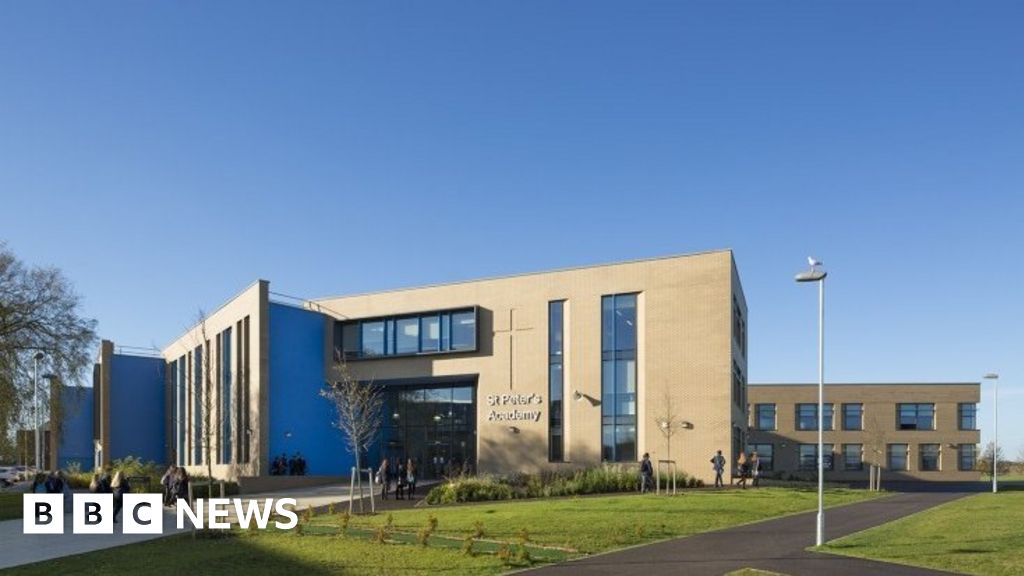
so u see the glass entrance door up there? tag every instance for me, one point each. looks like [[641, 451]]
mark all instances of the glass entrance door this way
[[433, 425]]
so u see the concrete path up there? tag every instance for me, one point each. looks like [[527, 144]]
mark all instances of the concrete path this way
[[776, 545]]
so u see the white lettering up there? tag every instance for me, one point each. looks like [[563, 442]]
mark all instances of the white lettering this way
[[253, 512], [217, 509], [196, 516], [279, 507]]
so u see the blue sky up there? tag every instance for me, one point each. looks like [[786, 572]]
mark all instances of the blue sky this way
[[166, 154]]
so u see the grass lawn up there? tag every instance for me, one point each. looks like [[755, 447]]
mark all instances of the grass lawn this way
[[981, 534], [556, 529], [10, 505]]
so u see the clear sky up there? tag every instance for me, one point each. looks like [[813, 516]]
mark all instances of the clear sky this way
[[166, 154]]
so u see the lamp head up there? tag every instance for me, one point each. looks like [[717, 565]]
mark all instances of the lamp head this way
[[39, 356], [991, 376]]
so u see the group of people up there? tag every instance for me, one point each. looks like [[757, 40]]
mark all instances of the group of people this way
[[53, 483], [102, 483], [402, 477], [748, 468], [285, 466], [175, 484]]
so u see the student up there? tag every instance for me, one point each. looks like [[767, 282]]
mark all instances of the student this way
[[400, 482], [646, 473], [68, 494], [755, 468], [165, 481], [718, 463], [744, 468], [410, 472], [119, 486], [54, 484], [383, 477]]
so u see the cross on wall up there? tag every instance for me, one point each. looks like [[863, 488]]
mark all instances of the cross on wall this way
[[511, 331]]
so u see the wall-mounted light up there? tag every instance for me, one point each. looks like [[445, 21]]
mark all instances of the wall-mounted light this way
[[513, 430], [288, 434], [577, 395], [686, 424], [395, 415]]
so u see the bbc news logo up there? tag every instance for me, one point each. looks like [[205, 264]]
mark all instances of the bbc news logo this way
[[143, 513]]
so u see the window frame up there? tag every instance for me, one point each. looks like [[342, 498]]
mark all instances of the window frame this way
[[443, 345]]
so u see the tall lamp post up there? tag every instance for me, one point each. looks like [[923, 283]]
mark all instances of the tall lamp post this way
[[35, 406], [995, 431], [816, 274]]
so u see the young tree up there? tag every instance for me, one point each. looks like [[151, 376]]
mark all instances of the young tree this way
[[39, 312], [985, 462], [358, 409]]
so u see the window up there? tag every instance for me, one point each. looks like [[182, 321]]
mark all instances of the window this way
[[967, 456], [853, 417], [426, 333], [808, 457], [898, 456], [853, 457], [765, 416], [556, 383], [915, 416], [765, 454], [929, 457], [198, 389], [225, 396], [807, 417], [968, 416], [739, 326], [618, 377], [739, 386]]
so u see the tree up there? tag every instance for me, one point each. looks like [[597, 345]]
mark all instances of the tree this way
[[39, 312], [358, 409], [985, 462]]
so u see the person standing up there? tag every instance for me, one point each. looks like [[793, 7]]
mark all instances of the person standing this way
[[400, 481], [744, 469], [383, 477], [410, 471], [755, 468], [165, 481], [119, 486], [718, 464], [646, 473]]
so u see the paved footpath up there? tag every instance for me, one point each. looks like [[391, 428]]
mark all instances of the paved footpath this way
[[777, 545]]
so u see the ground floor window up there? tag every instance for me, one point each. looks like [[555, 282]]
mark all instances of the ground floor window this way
[[968, 456], [897, 454], [809, 457], [853, 457], [929, 457], [764, 455]]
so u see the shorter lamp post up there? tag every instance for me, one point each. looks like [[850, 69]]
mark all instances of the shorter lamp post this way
[[995, 431]]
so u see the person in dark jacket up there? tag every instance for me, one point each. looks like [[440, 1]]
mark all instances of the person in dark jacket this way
[[166, 481], [646, 473], [119, 487], [410, 473], [384, 478]]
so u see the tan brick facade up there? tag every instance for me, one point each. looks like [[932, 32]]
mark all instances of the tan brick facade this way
[[881, 429]]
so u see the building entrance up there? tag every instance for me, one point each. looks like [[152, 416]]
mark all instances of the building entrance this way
[[434, 425]]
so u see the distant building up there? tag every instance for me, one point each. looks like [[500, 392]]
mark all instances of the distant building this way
[[912, 431]]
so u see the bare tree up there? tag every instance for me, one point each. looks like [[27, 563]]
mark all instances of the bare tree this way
[[984, 463], [875, 451], [667, 422], [358, 407], [39, 312]]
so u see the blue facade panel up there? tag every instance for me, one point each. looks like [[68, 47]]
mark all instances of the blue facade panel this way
[[137, 407], [300, 419], [76, 442]]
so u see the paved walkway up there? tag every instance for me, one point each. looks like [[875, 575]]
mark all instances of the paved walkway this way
[[776, 545]]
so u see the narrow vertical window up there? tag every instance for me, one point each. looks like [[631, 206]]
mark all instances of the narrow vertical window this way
[[618, 377], [225, 397], [180, 422], [556, 380], [198, 386]]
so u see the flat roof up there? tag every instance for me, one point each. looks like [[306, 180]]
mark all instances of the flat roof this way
[[522, 274], [866, 384]]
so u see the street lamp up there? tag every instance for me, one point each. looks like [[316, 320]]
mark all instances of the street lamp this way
[[35, 406], [816, 274], [995, 431]]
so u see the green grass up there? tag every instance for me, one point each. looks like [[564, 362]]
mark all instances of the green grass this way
[[10, 505], [555, 530], [981, 534], [753, 572]]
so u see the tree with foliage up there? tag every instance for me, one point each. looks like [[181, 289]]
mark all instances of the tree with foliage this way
[[39, 312], [358, 406]]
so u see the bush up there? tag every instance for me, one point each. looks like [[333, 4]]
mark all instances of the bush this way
[[608, 478]]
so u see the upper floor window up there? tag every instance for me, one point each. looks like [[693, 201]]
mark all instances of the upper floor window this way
[[424, 333], [853, 416], [618, 377], [739, 386], [739, 327], [807, 416], [968, 416], [764, 416], [915, 416]]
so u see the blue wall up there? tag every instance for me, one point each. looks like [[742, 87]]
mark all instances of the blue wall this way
[[300, 419], [137, 407], [76, 428]]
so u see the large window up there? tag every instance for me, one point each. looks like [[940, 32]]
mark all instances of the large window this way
[[853, 457], [225, 396], [765, 455], [968, 416], [809, 457], [929, 457], [426, 333], [967, 456], [198, 389], [853, 416], [915, 416], [765, 416], [556, 380], [807, 417], [898, 457], [618, 377]]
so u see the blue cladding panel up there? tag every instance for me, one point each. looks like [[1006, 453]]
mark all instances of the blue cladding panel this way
[[76, 429], [300, 419], [137, 407]]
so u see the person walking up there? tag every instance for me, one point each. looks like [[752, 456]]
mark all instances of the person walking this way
[[384, 478], [755, 469], [165, 481], [646, 473], [410, 472], [119, 486], [718, 464], [744, 469], [400, 480]]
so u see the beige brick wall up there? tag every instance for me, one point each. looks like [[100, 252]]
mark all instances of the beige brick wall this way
[[685, 358], [880, 426]]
